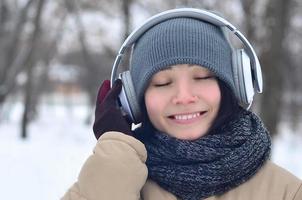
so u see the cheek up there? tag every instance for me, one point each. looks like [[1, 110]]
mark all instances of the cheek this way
[[153, 104], [212, 94]]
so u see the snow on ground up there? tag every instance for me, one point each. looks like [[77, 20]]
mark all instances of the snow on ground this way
[[46, 164], [287, 149]]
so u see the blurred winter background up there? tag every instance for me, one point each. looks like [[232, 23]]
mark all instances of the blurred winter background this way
[[55, 54]]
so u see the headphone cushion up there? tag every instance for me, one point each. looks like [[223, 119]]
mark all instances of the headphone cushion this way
[[235, 68], [244, 76], [130, 97]]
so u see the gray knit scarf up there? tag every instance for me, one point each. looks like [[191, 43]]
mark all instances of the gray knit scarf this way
[[211, 165]]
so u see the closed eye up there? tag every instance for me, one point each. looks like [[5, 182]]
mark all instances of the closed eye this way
[[204, 77], [161, 84]]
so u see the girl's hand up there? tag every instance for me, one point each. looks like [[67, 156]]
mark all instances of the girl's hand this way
[[108, 116]]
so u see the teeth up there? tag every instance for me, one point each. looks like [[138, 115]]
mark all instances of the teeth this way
[[186, 117]]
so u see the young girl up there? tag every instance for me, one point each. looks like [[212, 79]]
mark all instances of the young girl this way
[[196, 141]]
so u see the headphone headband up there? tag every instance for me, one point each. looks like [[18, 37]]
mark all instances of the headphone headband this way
[[191, 13]]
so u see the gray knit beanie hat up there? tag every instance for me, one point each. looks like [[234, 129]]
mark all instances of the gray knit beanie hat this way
[[180, 41]]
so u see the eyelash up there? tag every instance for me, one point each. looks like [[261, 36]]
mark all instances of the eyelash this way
[[196, 78], [204, 78], [162, 84]]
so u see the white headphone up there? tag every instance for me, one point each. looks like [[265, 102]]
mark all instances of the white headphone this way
[[245, 64]]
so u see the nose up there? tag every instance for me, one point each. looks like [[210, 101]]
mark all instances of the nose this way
[[184, 95]]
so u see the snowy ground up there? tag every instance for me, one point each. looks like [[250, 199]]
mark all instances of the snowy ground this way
[[46, 164]]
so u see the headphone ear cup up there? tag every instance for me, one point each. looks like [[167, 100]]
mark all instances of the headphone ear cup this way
[[244, 77], [235, 68], [128, 98]]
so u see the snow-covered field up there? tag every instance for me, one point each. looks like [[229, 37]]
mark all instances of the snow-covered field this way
[[45, 165]]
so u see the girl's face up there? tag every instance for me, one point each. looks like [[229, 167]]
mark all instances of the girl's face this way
[[183, 101]]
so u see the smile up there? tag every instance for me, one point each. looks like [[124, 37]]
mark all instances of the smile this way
[[187, 117]]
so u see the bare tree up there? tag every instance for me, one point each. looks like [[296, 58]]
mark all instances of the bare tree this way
[[30, 62], [277, 17], [92, 73], [293, 89], [250, 27], [126, 4], [12, 56]]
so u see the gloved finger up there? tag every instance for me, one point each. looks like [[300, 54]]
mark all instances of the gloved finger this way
[[114, 92], [105, 87]]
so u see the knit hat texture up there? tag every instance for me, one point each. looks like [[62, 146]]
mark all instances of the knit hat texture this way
[[180, 41]]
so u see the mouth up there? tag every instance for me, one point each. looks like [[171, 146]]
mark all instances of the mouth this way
[[187, 117]]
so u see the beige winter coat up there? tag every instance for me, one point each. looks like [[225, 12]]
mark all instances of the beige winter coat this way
[[117, 171]]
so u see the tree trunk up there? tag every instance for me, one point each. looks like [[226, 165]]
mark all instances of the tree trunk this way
[[250, 29], [27, 101], [272, 60], [30, 64], [126, 4], [92, 68], [8, 68]]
